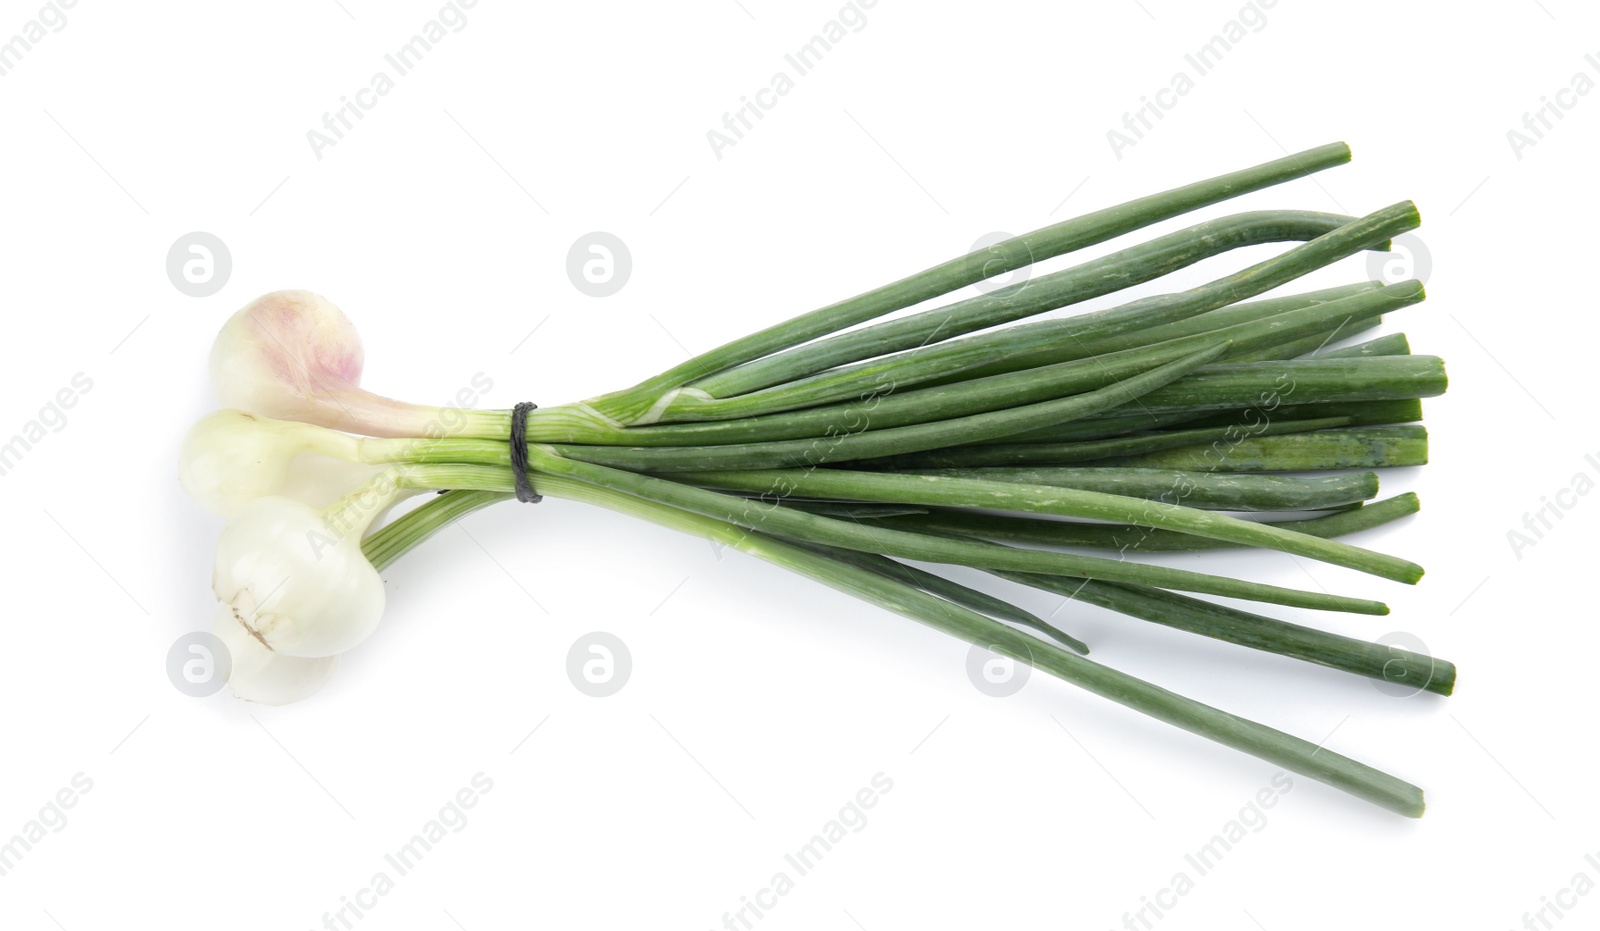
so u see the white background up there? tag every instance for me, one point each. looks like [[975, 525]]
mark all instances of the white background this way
[[760, 704]]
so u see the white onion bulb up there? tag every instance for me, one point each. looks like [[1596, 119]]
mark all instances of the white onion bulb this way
[[231, 458], [262, 675], [296, 579], [293, 355]]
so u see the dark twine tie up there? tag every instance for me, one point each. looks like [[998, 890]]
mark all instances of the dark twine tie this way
[[519, 452]]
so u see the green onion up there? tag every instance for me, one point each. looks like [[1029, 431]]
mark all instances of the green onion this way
[[1102, 276], [954, 592], [1206, 490], [1392, 344], [1353, 413], [1058, 239], [944, 491], [1293, 753], [1343, 448], [846, 441], [1253, 423], [1027, 531], [1029, 346], [868, 453]]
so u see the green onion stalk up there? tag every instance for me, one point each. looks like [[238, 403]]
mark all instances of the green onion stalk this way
[[901, 597], [876, 443]]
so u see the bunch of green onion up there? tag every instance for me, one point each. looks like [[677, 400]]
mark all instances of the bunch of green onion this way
[[1046, 453]]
